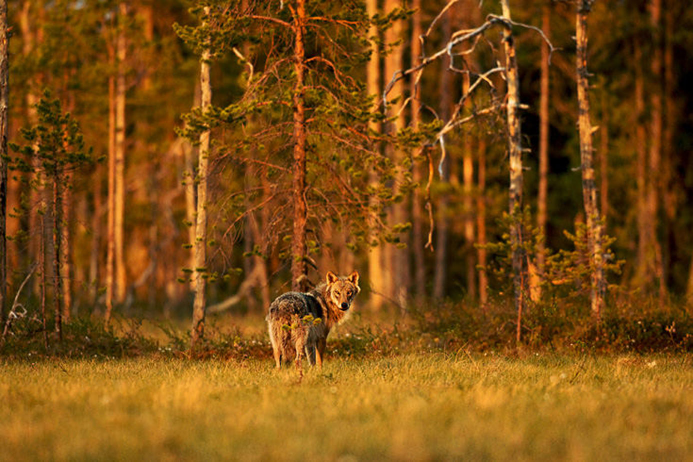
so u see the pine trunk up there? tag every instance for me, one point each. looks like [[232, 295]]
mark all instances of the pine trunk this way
[[589, 186], [96, 227], [655, 154], [120, 275], [442, 219], [515, 159], [417, 176], [645, 253], [299, 248], [191, 153], [468, 204], [670, 125], [66, 256], [604, 161], [396, 260], [544, 115], [481, 223], [57, 253], [200, 244], [110, 207], [375, 254], [4, 103]]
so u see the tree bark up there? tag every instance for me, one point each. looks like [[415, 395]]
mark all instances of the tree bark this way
[[468, 204], [604, 161], [4, 103], [200, 268], [96, 228], [299, 248], [671, 115], [589, 187], [442, 220], [417, 175], [120, 274], [110, 207], [645, 254], [515, 158], [481, 223], [396, 260], [544, 115], [655, 154], [375, 252], [57, 254]]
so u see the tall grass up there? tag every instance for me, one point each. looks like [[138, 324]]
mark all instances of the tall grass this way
[[433, 406]]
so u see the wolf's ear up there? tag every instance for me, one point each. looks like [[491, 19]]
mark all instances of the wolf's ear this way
[[354, 278], [331, 277]]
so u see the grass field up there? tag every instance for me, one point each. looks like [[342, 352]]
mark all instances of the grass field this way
[[432, 406]]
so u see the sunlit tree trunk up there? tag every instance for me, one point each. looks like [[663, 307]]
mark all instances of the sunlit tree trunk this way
[[30, 37], [4, 103], [110, 207], [96, 229], [468, 203], [56, 232], [481, 222], [66, 236], [396, 260], [200, 244], [589, 187], [544, 115], [604, 160], [515, 159], [66, 205], [120, 274], [442, 219], [375, 253], [416, 210], [299, 248], [190, 154]]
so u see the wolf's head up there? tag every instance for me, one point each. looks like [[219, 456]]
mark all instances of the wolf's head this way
[[342, 290]]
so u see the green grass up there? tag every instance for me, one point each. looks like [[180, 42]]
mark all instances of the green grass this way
[[411, 406]]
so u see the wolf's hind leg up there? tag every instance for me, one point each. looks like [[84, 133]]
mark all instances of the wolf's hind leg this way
[[320, 353], [300, 344], [310, 354], [277, 356]]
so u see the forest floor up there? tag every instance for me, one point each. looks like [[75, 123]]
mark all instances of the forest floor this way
[[408, 406]]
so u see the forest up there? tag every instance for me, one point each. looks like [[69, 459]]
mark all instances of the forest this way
[[521, 165]]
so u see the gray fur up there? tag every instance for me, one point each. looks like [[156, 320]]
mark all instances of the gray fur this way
[[299, 323]]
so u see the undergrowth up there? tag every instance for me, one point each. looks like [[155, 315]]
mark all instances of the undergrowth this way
[[449, 327]]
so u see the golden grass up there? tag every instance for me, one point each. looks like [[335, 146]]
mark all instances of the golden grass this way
[[408, 407]]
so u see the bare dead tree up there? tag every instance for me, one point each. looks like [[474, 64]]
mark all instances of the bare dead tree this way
[[512, 105]]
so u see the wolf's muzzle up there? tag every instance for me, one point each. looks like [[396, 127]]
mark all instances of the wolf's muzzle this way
[[345, 306]]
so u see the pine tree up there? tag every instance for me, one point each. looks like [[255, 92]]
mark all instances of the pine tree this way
[[56, 146]]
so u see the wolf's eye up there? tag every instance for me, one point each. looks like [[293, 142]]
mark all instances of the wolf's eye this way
[[349, 293], [336, 292]]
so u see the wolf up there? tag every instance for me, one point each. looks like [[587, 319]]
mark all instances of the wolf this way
[[300, 322]]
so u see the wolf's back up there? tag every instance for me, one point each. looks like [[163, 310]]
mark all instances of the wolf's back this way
[[293, 304]]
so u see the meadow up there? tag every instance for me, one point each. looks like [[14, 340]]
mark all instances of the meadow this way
[[443, 384], [408, 406]]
